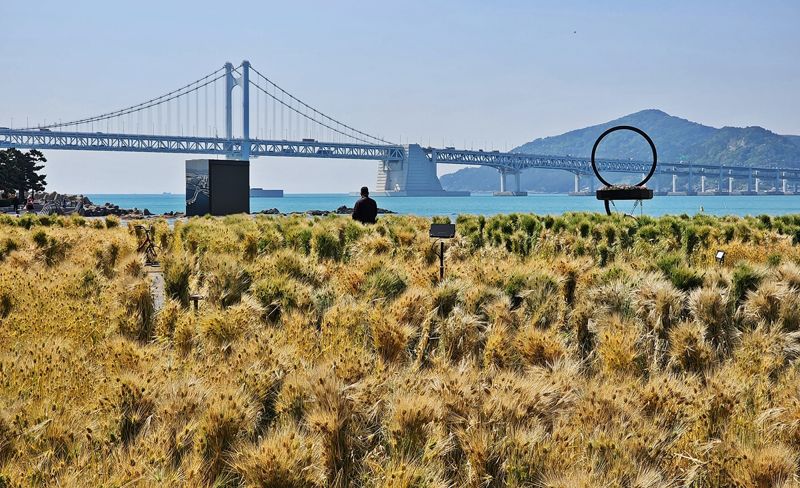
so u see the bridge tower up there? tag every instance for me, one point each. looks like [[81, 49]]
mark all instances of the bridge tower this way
[[414, 175], [230, 83], [245, 84]]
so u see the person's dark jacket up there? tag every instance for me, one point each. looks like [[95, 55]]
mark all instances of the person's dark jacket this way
[[365, 210]]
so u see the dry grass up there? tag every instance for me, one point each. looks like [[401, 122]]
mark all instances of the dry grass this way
[[566, 351]]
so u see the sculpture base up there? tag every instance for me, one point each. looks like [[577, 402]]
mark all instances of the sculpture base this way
[[624, 193]]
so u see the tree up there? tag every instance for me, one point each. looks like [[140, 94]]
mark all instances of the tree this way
[[20, 171]]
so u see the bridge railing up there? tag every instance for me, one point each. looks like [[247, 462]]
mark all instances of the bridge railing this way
[[582, 165]]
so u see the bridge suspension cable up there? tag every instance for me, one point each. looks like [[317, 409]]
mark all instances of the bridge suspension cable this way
[[302, 109], [178, 113], [153, 102]]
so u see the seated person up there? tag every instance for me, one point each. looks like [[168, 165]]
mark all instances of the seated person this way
[[365, 210]]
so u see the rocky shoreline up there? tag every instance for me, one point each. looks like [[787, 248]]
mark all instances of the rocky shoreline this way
[[64, 204], [54, 203], [343, 210]]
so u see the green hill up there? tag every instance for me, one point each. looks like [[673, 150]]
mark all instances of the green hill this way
[[677, 139]]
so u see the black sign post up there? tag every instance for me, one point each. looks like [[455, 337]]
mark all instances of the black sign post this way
[[441, 232]]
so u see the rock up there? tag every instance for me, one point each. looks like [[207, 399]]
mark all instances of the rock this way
[[345, 210], [270, 211], [146, 212]]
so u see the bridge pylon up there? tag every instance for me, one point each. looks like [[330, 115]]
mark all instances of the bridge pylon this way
[[230, 83], [414, 175]]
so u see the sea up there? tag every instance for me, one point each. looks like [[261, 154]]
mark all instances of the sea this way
[[486, 204]]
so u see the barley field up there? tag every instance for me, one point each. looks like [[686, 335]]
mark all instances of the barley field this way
[[571, 351]]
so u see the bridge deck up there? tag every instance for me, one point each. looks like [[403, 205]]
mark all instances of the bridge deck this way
[[99, 141]]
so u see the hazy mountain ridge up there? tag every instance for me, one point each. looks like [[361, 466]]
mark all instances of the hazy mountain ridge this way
[[677, 139]]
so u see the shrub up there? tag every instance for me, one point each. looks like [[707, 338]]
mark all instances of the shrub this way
[[137, 320], [774, 259], [177, 271], [445, 297], [112, 221], [88, 285], [685, 278], [515, 285], [618, 348], [6, 302], [50, 249], [278, 294], [300, 239], [709, 307], [389, 338], [227, 420], [167, 319], [460, 336], [605, 255], [185, 335], [220, 329], [8, 246], [583, 228], [690, 239], [227, 283], [764, 303], [539, 347], [134, 405], [326, 245], [688, 349], [648, 232], [384, 283], [682, 276], [285, 457], [107, 258], [789, 312], [409, 422], [745, 279]]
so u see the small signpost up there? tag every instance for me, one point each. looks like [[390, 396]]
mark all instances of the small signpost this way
[[441, 232], [637, 192]]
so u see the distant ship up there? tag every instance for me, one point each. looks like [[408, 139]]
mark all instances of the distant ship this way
[[260, 192]]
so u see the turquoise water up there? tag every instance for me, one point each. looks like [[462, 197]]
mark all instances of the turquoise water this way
[[485, 204]]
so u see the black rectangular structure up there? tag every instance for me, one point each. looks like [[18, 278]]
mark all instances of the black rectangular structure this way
[[217, 187]]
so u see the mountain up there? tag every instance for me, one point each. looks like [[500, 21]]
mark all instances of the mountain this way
[[676, 139]]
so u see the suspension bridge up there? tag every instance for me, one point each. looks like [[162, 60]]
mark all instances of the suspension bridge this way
[[198, 119]]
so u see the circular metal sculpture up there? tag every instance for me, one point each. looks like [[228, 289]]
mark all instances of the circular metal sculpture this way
[[637, 192]]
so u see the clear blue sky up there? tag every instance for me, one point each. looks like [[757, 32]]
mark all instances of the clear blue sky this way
[[489, 74]]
